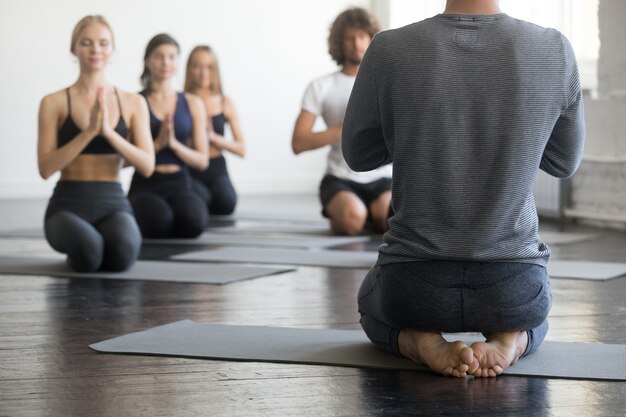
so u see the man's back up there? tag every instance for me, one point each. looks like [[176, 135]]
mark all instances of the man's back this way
[[469, 108]]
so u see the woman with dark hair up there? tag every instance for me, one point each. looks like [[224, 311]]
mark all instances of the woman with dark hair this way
[[213, 185], [87, 131], [348, 198], [165, 205]]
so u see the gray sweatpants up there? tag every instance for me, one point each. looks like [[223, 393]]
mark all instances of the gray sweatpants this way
[[451, 297]]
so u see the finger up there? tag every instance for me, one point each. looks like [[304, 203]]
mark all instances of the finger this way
[[100, 96]]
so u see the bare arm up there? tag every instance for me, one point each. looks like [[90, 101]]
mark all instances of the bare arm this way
[[304, 139], [139, 153], [196, 154], [50, 158], [237, 146]]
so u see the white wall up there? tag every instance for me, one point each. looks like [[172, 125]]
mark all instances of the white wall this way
[[268, 51]]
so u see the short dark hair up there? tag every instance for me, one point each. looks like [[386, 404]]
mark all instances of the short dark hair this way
[[355, 17]]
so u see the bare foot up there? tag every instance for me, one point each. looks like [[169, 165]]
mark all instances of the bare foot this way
[[431, 349], [498, 352]]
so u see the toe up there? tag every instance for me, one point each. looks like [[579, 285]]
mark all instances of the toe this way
[[447, 372], [474, 366]]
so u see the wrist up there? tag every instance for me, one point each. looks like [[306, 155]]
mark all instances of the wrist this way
[[108, 132], [91, 133], [174, 144]]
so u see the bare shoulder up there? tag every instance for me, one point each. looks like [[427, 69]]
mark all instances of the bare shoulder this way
[[228, 102], [229, 106], [195, 102], [133, 101], [54, 101]]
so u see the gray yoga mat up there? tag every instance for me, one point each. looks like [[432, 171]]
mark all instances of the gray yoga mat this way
[[284, 241], [260, 235], [596, 271], [251, 227], [141, 271], [347, 348], [326, 258]]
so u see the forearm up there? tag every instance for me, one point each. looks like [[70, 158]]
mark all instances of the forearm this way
[[141, 159], [308, 141], [61, 157], [221, 143], [191, 157]]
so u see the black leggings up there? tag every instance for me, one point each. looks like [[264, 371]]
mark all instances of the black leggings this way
[[214, 187], [93, 223], [165, 206]]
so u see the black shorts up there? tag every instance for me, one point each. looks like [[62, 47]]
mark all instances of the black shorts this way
[[367, 192]]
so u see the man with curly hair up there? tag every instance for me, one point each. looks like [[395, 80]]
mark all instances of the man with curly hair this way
[[348, 198], [468, 105]]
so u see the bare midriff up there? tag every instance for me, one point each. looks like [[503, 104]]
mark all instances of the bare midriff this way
[[105, 168], [214, 152], [167, 168]]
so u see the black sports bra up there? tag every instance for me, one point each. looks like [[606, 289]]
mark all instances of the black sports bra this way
[[99, 144]]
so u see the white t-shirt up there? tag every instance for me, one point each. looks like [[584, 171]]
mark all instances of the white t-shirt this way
[[327, 97]]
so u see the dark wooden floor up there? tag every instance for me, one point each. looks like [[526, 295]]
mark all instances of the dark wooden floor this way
[[46, 368]]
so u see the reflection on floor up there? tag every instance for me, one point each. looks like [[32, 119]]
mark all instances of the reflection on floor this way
[[47, 323]]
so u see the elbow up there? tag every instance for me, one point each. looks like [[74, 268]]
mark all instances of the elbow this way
[[297, 143], [202, 164], [146, 172], [147, 169], [44, 172], [562, 172], [354, 165], [566, 173], [296, 147]]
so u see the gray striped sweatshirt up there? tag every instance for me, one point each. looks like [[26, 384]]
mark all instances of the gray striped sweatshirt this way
[[468, 108]]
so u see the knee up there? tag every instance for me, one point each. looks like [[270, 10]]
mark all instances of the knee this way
[[189, 228], [351, 220], [85, 255], [191, 218], [380, 217], [202, 191], [123, 242], [121, 257], [153, 214], [224, 206], [79, 240], [379, 210], [224, 197], [56, 227]]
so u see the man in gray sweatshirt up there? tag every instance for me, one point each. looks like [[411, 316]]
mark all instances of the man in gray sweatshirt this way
[[468, 105]]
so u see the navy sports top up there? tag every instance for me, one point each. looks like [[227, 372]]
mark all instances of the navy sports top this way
[[183, 126], [99, 144], [219, 122]]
